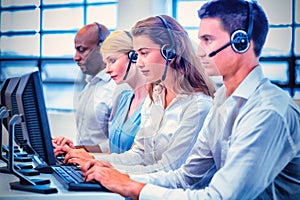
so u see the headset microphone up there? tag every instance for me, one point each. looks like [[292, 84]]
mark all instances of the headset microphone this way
[[240, 39], [167, 51], [132, 59], [165, 71], [132, 55], [220, 49]]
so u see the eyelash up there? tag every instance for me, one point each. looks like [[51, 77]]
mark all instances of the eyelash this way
[[144, 53], [207, 39], [112, 60], [81, 51]]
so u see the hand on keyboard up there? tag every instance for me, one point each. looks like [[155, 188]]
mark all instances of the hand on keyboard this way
[[62, 141], [91, 163], [77, 156], [72, 178]]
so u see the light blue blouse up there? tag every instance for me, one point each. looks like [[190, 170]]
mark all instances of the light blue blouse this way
[[122, 131]]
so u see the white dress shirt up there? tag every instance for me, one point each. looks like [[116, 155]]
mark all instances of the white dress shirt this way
[[249, 145], [93, 111], [166, 136]]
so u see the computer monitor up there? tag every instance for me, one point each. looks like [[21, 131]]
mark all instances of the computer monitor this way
[[12, 107], [31, 104], [9, 96], [2, 91], [2, 100]]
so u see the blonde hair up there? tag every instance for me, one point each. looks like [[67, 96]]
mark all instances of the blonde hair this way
[[118, 41]]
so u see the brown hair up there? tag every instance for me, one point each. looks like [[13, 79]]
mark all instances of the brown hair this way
[[186, 66]]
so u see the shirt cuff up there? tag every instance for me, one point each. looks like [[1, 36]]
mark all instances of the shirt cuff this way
[[150, 191], [104, 147], [143, 178]]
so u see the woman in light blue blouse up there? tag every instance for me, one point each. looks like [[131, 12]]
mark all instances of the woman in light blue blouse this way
[[120, 65]]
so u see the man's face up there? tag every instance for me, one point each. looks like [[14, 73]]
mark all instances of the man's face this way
[[87, 55], [212, 36], [207, 62]]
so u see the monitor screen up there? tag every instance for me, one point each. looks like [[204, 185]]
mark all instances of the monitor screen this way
[[2, 91], [12, 107], [31, 104], [2, 99]]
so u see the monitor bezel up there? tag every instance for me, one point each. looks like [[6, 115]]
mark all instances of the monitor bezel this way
[[41, 111]]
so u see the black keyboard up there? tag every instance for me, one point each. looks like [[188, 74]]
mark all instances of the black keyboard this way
[[70, 176]]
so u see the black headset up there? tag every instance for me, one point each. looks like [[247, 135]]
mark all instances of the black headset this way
[[132, 55], [101, 39], [240, 39], [167, 50]]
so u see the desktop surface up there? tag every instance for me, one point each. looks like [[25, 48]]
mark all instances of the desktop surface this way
[[6, 193]]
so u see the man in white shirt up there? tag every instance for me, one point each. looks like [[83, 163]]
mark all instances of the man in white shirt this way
[[249, 146], [94, 103]]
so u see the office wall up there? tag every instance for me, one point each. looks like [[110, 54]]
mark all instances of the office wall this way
[[131, 11]]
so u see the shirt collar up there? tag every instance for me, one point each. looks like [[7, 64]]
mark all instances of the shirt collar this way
[[244, 90], [100, 76], [249, 84]]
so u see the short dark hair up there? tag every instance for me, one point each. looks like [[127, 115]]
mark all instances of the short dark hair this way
[[234, 15]]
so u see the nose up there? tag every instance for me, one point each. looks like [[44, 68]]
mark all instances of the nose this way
[[139, 62], [200, 52], [76, 56], [108, 69]]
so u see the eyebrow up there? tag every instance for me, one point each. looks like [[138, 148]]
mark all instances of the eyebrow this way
[[80, 47], [114, 56], [147, 48], [202, 36], [141, 49]]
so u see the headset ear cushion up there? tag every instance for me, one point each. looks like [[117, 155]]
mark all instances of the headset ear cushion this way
[[240, 41], [132, 55], [167, 52]]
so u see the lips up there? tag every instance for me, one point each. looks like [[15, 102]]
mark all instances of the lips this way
[[145, 72], [204, 63], [114, 77]]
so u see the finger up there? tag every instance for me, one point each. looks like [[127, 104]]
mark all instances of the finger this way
[[85, 167], [71, 145], [54, 144], [66, 151], [64, 141], [103, 164], [89, 177], [58, 140], [57, 153], [77, 161]]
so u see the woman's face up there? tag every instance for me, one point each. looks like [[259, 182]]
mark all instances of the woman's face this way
[[116, 65], [150, 61]]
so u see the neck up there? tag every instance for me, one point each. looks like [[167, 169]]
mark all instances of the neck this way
[[232, 81], [140, 93]]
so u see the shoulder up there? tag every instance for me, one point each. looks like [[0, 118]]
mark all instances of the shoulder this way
[[200, 100], [125, 95], [270, 97]]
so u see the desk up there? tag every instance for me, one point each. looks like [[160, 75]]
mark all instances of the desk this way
[[7, 194]]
